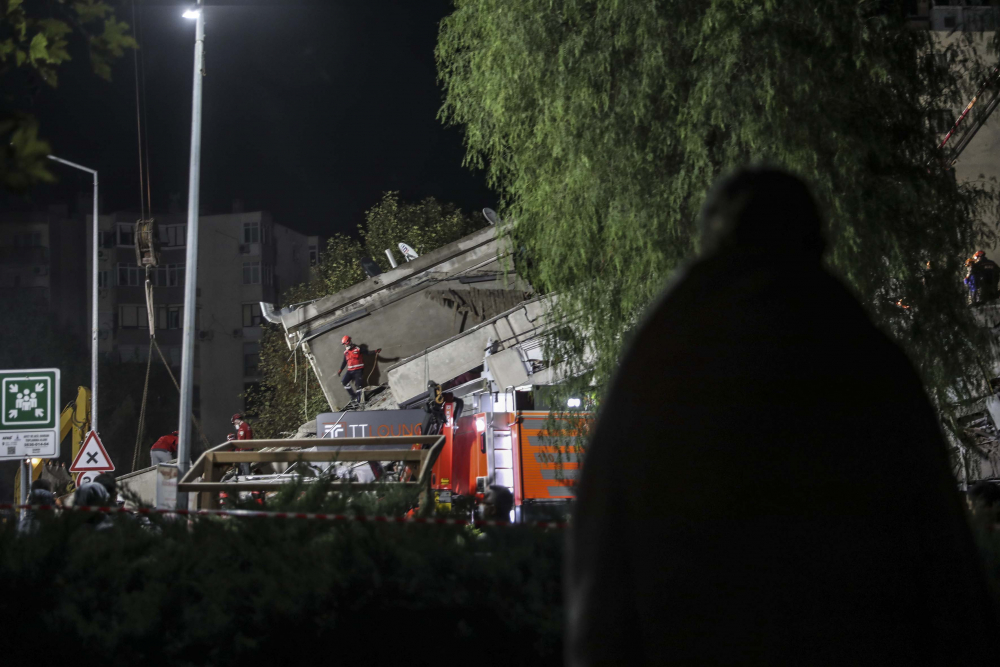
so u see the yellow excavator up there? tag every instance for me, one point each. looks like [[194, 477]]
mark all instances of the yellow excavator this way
[[74, 422]]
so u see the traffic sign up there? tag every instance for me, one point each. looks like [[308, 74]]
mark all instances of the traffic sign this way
[[29, 413], [86, 477], [92, 457]]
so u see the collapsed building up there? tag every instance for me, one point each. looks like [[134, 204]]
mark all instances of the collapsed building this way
[[465, 319]]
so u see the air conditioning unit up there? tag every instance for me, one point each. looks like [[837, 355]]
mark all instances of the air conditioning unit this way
[[100, 254], [206, 335], [244, 248], [237, 333]]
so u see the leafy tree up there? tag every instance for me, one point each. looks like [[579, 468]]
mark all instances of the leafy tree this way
[[34, 42], [424, 226], [604, 123], [289, 393]]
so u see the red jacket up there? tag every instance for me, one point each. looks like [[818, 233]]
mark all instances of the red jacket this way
[[167, 443], [244, 432], [352, 359]]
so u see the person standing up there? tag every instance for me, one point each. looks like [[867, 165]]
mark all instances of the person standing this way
[[243, 432], [164, 449], [353, 379], [985, 276], [769, 531]]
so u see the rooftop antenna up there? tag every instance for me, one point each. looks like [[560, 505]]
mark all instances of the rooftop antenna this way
[[491, 216], [409, 253], [392, 259]]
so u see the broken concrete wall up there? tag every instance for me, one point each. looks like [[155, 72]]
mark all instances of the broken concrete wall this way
[[407, 310]]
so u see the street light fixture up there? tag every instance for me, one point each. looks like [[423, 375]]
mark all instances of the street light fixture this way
[[191, 269], [93, 301]]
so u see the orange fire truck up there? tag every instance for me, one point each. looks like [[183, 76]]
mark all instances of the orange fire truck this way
[[517, 450]]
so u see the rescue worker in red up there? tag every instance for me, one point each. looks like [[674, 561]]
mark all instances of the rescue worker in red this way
[[164, 449], [353, 379], [243, 432]]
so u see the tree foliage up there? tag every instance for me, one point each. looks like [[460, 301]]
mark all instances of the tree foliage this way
[[604, 123], [35, 41], [289, 393]]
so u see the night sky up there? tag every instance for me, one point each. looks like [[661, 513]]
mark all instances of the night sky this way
[[312, 110]]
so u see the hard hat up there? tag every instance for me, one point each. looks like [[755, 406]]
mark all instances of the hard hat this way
[[345, 340], [979, 253], [235, 417]]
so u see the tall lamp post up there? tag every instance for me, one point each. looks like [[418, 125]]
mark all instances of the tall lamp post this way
[[93, 300], [191, 270]]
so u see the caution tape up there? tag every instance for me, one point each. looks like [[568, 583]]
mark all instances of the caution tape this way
[[258, 514]]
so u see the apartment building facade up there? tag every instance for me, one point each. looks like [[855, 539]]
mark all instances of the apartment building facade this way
[[243, 258], [42, 257]]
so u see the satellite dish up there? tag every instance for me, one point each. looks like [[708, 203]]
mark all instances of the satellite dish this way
[[491, 216], [370, 267], [409, 253]]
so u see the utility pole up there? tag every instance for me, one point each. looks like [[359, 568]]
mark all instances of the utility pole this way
[[191, 270], [94, 325]]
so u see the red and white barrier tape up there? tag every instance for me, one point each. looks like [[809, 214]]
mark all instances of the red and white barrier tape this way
[[255, 514]]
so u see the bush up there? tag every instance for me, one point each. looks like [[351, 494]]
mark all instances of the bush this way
[[226, 591]]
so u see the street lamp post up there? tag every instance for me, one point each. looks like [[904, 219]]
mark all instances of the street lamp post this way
[[191, 270], [93, 300]]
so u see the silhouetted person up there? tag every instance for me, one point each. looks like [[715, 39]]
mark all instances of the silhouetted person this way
[[767, 483], [499, 502], [40, 494], [984, 274]]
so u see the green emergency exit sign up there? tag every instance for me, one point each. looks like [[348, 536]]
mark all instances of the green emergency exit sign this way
[[29, 421]]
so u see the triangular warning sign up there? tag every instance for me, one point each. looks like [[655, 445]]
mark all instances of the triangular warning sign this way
[[92, 456]]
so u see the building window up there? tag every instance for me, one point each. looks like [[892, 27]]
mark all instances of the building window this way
[[126, 234], [131, 316], [173, 236], [130, 276], [174, 354], [251, 359], [251, 273], [28, 240], [251, 232], [169, 316], [102, 279], [268, 275], [251, 314], [175, 275], [313, 254], [107, 239], [175, 317]]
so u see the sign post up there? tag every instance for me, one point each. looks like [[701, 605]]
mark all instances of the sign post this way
[[29, 424]]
